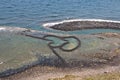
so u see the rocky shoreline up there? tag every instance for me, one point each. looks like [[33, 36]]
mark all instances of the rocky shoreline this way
[[63, 51], [80, 25]]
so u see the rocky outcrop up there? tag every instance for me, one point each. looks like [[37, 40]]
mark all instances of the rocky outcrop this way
[[80, 25]]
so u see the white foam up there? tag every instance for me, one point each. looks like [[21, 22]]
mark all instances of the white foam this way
[[18, 29], [73, 20], [11, 29], [2, 28]]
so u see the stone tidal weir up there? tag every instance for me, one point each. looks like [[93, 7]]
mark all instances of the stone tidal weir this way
[[22, 48]]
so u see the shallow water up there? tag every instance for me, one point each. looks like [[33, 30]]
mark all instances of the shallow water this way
[[16, 51], [87, 31]]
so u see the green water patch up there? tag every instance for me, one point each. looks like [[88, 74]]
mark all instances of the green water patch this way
[[17, 51], [94, 31], [67, 43], [86, 31], [55, 41], [72, 43]]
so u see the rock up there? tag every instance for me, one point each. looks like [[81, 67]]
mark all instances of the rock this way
[[21, 49]]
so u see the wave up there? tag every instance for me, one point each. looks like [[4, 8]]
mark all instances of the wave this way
[[74, 20], [2, 28], [12, 29], [26, 31]]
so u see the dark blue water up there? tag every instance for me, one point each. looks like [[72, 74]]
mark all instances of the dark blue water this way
[[32, 13]]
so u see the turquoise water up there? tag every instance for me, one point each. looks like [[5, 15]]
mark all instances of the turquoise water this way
[[92, 31], [31, 14], [88, 31]]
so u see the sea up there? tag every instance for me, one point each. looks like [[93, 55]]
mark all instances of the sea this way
[[34, 13]]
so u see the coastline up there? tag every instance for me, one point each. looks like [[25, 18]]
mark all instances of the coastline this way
[[81, 24], [46, 73], [99, 59]]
